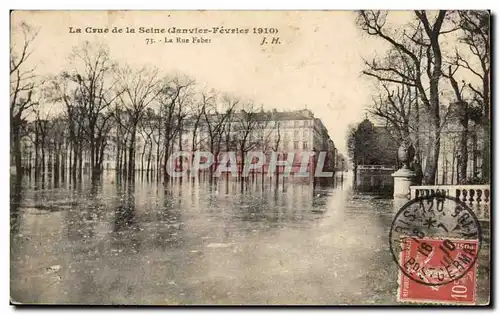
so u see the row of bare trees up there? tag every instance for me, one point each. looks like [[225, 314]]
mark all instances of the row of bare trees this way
[[434, 74], [23, 82], [95, 106]]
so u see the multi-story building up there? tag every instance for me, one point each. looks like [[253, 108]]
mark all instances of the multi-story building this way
[[285, 132]]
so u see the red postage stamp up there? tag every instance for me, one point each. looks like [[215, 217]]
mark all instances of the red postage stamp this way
[[460, 290]]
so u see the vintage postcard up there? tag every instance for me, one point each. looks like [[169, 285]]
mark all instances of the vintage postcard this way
[[250, 158]]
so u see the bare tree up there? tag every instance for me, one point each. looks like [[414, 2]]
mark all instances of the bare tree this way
[[275, 147], [122, 134], [88, 90], [228, 134], [475, 26], [156, 124], [22, 87], [395, 107], [140, 89], [463, 117], [426, 72], [43, 126], [215, 120], [146, 129], [265, 132], [185, 103], [58, 136], [171, 95], [196, 117], [61, 90], [247, 121], [104, 124]]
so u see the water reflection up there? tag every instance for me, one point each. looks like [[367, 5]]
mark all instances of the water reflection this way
[[125, 211], [119, 242]]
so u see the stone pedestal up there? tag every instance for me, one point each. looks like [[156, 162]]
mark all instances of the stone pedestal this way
[[403, 179]]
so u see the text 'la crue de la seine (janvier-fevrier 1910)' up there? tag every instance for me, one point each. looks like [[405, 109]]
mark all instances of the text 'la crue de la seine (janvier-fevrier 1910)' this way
[[171, 30], [216, 30]]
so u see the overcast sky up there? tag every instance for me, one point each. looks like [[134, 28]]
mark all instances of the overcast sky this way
[[317, 65]]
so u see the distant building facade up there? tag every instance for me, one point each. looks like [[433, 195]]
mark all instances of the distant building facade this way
[[285, 132], [374, 158]]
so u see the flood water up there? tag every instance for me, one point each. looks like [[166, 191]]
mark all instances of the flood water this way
[[191, 243]]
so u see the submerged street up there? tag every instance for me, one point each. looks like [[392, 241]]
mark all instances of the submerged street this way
[[187, 243]]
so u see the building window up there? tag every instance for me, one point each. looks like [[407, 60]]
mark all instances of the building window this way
[[295, 145], [305, 145], [305, 133], [296, 123], [295, 134]]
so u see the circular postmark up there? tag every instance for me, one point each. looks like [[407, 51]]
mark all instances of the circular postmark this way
[[435, 239]]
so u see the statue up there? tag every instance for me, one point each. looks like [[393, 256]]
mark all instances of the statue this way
[[406, 153], [405, 176]]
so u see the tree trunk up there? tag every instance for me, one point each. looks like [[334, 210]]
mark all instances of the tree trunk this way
[[171, 150], [464, 154], [131, 154], [242, 181], [70, 158], [96, 168], [355, 170], [443, 170], [142, 157], [80, 161], [92, 155], [433, 101], [262, 177], [57, 162], [43, 157], [158, 160], [453, 165], [63, 162], [148, 167], [474, 154], [117, 157], [75, 159], [431, 164], [486, 158], [158, 166], [124, 162], [277, 173], [485, 166], [37, 158], [17, 151], [417, 131], [50, 159], [100, 159], [131, 159], [165, 160]]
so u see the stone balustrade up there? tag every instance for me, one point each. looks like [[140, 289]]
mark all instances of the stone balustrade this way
[[477, 197]]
